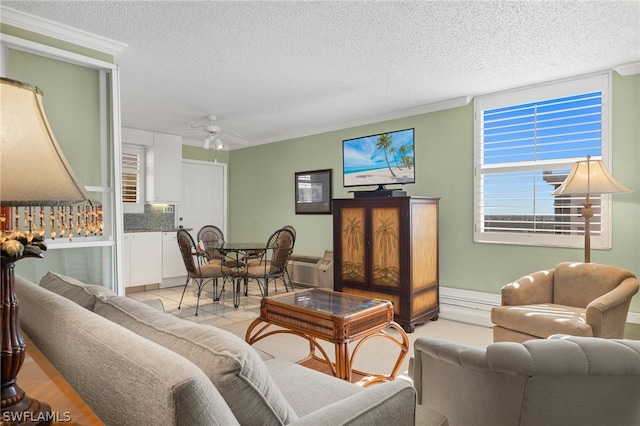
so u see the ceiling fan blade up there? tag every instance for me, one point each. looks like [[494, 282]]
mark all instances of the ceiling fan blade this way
[[207, 120], [197, 125]]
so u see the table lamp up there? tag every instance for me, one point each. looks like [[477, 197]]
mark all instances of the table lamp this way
[[35, 179], [589, 177]]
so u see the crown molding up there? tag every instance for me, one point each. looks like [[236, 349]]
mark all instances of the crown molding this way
[[58, 31], [393, 115], [628, 69]]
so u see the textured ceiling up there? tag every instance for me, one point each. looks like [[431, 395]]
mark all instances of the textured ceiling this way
[[278, 70]]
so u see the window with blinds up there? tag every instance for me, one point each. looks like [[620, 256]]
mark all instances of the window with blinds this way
[[133, 178], [526, 142]]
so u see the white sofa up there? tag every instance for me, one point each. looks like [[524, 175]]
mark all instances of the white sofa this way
[[133, 364], [560, 381]]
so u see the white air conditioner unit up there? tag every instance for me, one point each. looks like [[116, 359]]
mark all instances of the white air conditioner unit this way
[[311, 271]]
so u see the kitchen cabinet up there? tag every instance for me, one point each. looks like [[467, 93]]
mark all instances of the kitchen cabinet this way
[[172, 263], [387, 248], [164, 169], [142, 257]]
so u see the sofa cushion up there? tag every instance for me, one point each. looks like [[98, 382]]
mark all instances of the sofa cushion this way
[[231, 364], [77, 291], [308, 390]]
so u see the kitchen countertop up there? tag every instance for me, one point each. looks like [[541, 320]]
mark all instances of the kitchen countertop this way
[[157, 230]]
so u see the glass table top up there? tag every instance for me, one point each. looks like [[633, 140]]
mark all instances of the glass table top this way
[[242, 246], [332, 302]]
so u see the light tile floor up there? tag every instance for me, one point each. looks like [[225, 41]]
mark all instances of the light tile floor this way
[[217, 313]]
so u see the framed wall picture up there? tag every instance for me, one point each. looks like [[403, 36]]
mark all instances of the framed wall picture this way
[[313, 192]]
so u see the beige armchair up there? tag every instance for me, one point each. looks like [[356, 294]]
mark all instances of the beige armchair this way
[[560, 381], [579, 299]]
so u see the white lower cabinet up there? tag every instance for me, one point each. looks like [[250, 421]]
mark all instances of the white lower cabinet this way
[[142, 258], [173, 270]]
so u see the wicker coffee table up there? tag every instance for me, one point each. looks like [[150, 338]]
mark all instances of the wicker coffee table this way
[[334, 317]]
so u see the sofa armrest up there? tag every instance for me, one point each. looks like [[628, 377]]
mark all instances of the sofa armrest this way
[[387, 403], [461, 383], [531, 289], [608, 313], [449, 352]]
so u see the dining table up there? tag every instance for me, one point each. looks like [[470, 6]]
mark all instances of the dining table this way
[[236, 257]]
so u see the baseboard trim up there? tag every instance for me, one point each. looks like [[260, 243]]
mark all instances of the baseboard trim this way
[[467, 306], [474, 307]]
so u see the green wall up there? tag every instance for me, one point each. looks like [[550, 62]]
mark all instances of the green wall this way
[[261, 194], [71, 103], [190, 152]]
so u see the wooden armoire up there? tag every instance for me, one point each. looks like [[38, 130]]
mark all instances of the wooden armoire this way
[[387, 248]]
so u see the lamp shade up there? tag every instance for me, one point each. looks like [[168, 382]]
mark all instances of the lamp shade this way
[[590, 177], [33, 169]]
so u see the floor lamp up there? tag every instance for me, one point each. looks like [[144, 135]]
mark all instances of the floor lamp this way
[[37, 188], [589, 177]]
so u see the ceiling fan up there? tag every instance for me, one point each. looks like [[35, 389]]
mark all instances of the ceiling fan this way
[[214, 133]]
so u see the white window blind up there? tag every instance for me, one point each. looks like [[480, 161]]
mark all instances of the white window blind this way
[[132, 178], [526, 142]]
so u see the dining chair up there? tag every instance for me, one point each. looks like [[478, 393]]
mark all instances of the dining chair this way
[[234, 268], [209, 238], [286, 269], [199, 268], [257, 256], [272, 265]]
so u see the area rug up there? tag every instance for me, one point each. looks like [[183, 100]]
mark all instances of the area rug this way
[[376, 355]]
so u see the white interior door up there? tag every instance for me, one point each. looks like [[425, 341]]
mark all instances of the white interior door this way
[[204, 195]]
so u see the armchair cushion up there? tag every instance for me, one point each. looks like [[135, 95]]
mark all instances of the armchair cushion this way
[[543, 319]]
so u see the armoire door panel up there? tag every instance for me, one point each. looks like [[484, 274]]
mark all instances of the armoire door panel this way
[[353, 243], [385, 248]]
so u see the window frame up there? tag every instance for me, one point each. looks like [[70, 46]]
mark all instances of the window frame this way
[[558, 89]]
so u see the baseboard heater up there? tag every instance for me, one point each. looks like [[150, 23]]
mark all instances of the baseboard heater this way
[[311, 271]]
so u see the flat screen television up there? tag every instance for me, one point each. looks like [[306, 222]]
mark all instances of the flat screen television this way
[[382, 159]]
